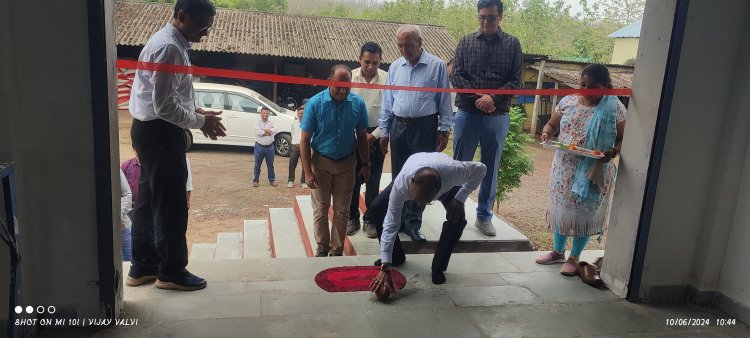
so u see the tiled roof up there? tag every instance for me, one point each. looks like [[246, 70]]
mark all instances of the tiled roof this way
[[572, 78], [632, 30], [300, 36]]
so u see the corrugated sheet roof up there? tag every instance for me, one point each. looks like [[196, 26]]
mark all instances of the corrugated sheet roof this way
[[572, 78], [632, 30], [258, 33]]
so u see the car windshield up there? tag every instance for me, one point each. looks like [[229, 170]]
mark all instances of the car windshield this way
[[270, 104]]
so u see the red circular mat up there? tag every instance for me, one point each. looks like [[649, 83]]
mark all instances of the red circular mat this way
[[354, 278]]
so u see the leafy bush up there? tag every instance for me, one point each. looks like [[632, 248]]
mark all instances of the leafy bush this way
[[514, 163]]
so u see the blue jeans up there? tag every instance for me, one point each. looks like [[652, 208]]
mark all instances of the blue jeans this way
[[471, 130], [127, 247], [264, 152]]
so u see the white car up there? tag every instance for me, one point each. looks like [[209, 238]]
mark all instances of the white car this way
[[241, 112]]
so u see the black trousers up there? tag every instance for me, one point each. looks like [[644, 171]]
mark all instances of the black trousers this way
[[449, 236], [372, 186], [294, 158], [161, 213], [417, 136]]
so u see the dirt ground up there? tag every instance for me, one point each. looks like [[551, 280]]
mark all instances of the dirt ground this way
[[223, 196]]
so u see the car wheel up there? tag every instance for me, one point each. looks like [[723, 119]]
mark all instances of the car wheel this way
[[283, 145]]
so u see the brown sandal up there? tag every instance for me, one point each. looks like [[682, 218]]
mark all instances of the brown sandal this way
[[589, 274]]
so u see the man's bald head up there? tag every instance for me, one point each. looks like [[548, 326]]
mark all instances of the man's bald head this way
[[425, 185], [340, 73]]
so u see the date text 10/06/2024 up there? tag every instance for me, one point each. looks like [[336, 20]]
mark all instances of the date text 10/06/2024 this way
[[701, 322]]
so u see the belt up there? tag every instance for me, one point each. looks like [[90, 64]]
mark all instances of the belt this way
[[262, 145], [408, 120], [335, 159], [494, 113]]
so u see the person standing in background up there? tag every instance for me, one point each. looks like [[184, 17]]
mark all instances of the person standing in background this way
[[294, 152], [264, 147], [370, 56]]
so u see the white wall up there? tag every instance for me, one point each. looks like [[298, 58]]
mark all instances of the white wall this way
[[735, 275], [701, 222], [723, 202], [700, 113], [637, 143], [45, 109], [734, 278]]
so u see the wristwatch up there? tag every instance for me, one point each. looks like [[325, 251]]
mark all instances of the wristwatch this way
[[445, 133], [367, 164]]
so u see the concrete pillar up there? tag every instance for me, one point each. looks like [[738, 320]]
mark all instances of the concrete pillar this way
[[51, 127], [637, 144]]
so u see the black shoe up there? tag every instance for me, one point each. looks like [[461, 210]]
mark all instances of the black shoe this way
[[438, 277], [416, 235], [333, 254], [184, 281], [352, 226], [379, 263], [139, 276], [321, 253]]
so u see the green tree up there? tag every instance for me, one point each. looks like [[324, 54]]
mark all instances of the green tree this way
[[543, 26], [515, 163], [624, 12]]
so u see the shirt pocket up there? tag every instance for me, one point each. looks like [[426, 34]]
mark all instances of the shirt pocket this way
[[427, 82]]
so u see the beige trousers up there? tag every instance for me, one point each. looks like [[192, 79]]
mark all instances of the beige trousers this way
[[335, 181]]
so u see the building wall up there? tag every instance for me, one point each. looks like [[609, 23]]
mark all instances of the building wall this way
[[732, 183], [637, 145], [735, 275], [6, 141], [700, 221], [694, 150], [625, 49], [46, 129]]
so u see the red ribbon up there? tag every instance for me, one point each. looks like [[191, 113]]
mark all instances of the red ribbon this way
[[265, 77]]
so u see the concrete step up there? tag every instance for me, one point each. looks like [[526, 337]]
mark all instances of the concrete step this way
[[203, 252], [508, 238], [287, 238], [304, 212], [228, 245], [256, 242]]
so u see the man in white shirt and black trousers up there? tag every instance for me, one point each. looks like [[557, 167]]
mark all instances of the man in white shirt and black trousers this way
[[163, 107], [426, 177]]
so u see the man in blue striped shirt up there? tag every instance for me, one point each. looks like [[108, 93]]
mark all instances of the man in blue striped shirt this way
[[414, 121]]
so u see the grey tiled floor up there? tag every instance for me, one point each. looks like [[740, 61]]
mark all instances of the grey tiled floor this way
[[491, 294]]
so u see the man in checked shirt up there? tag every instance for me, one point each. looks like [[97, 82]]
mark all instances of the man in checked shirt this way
[[486, 59]]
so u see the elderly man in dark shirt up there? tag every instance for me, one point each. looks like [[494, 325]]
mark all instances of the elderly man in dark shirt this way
[[486, 59]]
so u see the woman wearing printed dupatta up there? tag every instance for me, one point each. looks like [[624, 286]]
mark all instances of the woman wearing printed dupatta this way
[[580, 186]]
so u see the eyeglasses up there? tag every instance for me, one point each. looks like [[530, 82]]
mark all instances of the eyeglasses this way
[[487, 18], [205, 30]]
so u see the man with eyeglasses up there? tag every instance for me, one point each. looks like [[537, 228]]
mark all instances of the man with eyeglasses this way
[[426, 177], [486, 59], [370, 56], [163, 107]]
